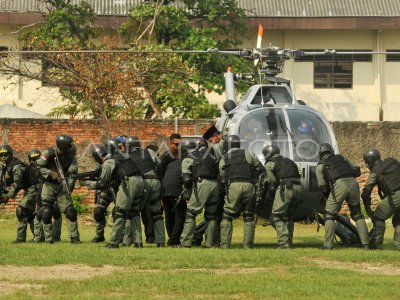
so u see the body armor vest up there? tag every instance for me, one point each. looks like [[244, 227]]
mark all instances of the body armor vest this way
[[172, 180], [285, 168], [65, 160], [204, 165], [30, 177], [125, 167], [388, 175], [335, 167], [236, 165], [143, 160]]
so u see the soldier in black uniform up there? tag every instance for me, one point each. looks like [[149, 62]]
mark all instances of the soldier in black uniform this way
[[336, 180], [174, 207], [386, 174], [16, 176]]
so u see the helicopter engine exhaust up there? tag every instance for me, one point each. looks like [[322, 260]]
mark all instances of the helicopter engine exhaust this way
[[230, 90]]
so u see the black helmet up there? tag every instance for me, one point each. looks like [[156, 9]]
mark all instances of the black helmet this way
[[269, 151], [201, 142], [112, 146], [132, 143], [231, 141], [64, 142], [186, 146], [33, 155], [6, 152], [371, 156], [99, 152], [325, 149]]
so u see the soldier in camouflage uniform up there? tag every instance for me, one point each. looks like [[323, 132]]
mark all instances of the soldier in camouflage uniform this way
[[54, 195], [148, 164], [282, 178], [200, 186], [336, 180], [16, 176], [386, 175], [105, 191], [122, 170], [239, 168]]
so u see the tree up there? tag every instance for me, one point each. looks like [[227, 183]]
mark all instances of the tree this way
[[198, 25]]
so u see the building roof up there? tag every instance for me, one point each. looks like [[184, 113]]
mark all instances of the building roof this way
[[254, 8], [14, 112]]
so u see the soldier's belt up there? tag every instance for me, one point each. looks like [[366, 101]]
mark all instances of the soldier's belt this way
[[241, 180], [150, 176]]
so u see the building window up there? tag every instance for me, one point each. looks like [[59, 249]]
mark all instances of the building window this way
[[334, 71], [333, 74], [393, 57]]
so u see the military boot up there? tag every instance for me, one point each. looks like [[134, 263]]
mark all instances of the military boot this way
[[138, 245], [75, 240], [160, 245], [98, 239], [109, 246], [17, 241]]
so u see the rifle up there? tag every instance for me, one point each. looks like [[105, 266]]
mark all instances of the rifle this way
[[63, 178], [91, 175], [178, 200]]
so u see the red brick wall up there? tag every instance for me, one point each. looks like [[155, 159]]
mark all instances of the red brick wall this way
[[26, 134]]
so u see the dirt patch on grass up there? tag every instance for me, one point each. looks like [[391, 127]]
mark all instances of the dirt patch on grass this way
[[10, 288], [224, 271], [363, 267], [71, 272]]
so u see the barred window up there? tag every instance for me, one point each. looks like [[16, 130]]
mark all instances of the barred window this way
[[334, 71], [393, 57]]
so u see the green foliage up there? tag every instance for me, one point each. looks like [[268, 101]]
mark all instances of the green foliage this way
[[77, 200]]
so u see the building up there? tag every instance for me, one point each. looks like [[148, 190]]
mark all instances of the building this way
[[358, 87]]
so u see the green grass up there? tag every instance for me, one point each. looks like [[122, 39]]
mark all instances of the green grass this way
[[263, 272]]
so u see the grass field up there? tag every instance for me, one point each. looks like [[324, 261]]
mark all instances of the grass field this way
[[84, 271]]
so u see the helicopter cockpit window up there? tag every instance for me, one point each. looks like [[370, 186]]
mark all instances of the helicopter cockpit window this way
[[272, 95], [308, 133], [264, 127]]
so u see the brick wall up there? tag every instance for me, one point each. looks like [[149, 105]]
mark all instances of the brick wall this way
[[26, 134]]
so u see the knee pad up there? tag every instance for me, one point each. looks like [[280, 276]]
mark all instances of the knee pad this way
[[156, 215], [20, 212], [56, 213], [132, 213], [47, 215], [119, 213], [99, 214], [355, 212], [396, 219], [209, 217], [71, 213], [329, 216], [190, 214], [39, 214], [248, 216], [227, 217]]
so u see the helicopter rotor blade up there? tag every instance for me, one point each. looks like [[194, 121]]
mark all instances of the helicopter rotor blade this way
[[259, 40], [334, 52]]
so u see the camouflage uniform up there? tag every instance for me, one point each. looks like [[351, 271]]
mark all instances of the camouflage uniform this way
[[54, 197], [239, 168]]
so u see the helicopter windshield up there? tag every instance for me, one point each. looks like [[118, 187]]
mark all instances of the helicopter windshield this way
[[308, 132], [297, 133], [264, 127]]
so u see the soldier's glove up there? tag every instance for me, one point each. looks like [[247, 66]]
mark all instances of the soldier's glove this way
[[54, 175], [325, 191]]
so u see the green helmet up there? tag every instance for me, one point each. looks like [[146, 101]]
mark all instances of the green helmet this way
[[6, 152], [34, 155]]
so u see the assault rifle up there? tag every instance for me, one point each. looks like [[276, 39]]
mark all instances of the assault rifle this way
[[63, 179], [91, 175]]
